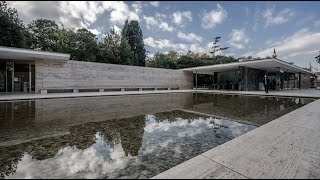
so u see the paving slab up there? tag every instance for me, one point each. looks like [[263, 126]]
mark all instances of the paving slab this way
[[200, 167]]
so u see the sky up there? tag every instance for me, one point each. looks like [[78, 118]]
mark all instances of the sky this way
[[248, 28]]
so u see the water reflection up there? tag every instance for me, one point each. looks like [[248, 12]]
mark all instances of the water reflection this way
[[74, 143], [256, 110]]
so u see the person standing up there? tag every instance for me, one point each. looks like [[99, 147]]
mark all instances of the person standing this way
[[266, 84]]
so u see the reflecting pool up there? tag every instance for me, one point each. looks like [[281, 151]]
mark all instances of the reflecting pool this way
[[134, 136]]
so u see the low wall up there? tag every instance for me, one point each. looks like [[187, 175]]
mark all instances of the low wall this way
[[79, 74]]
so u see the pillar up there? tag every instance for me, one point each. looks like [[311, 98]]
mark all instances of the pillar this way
[[29, 76], [196, 79], [246, 78], [299, 80], [12, 85]]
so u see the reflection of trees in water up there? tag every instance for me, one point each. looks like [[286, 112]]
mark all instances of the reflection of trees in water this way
[[173, 115], [127, 131]]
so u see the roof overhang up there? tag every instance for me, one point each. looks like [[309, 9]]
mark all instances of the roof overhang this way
[[264, 64], [27, 54]]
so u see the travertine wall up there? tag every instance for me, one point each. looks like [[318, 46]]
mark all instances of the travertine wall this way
[[78, 74]]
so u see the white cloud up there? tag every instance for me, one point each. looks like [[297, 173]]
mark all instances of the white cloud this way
[[90, 163], [95, 31], [180, 17], [303, 44], [157, 22], [214, 17], [280, 18], [179, 47], [154, 3], [137, 7], [238, 38], [164, 26], [163, 43], [74, 14], [117, 29], [189, 37]]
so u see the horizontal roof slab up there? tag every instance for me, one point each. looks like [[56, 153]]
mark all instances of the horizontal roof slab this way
[[27, 54], [264, 64]]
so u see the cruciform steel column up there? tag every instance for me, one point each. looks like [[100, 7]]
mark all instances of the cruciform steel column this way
[[29, 76], [196, 79]]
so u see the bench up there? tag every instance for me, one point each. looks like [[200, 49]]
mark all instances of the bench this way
[[111, 89]]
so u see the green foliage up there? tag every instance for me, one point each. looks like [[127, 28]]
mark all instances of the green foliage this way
[[85, 47], [126, 55], [12, 30], [173, 61], [161, 60], [109, 48], [133, 33], [44, 35]]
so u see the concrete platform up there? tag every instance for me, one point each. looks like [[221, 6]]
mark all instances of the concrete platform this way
[[287, 147]]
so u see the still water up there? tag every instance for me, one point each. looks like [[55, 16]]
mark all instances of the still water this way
[[134, 136]]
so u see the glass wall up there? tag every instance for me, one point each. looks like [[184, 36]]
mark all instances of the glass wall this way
[[17, 76]]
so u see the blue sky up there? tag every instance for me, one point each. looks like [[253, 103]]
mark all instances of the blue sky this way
[[248, 28]]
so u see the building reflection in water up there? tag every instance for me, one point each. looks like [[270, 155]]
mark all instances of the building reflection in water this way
[[123, 136]]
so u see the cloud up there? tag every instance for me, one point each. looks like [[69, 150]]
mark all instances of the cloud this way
[[137, 7], [238, 38], [299, 47], [181, 48], [154, 3], [191, 37], [91, 163], [157, 22], [214, 17], [280, 18], [95, 31], [75, 14], [181, 17]]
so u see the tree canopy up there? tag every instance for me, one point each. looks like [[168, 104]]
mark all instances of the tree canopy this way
[[13, 32], [172, 60]]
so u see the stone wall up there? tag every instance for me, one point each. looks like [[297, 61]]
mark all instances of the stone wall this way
[[79, 74]]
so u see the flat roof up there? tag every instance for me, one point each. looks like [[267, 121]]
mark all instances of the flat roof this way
[[271, 64], [28, 54]]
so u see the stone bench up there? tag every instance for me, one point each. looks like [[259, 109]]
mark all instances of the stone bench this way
[[77, 90]]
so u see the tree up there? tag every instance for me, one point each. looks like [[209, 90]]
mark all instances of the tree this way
[[44, 35], [318, 58], [66, 40], [133, 33], [161, 60], [110, 47], [85, 46], [12, 30], [126, 55]]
